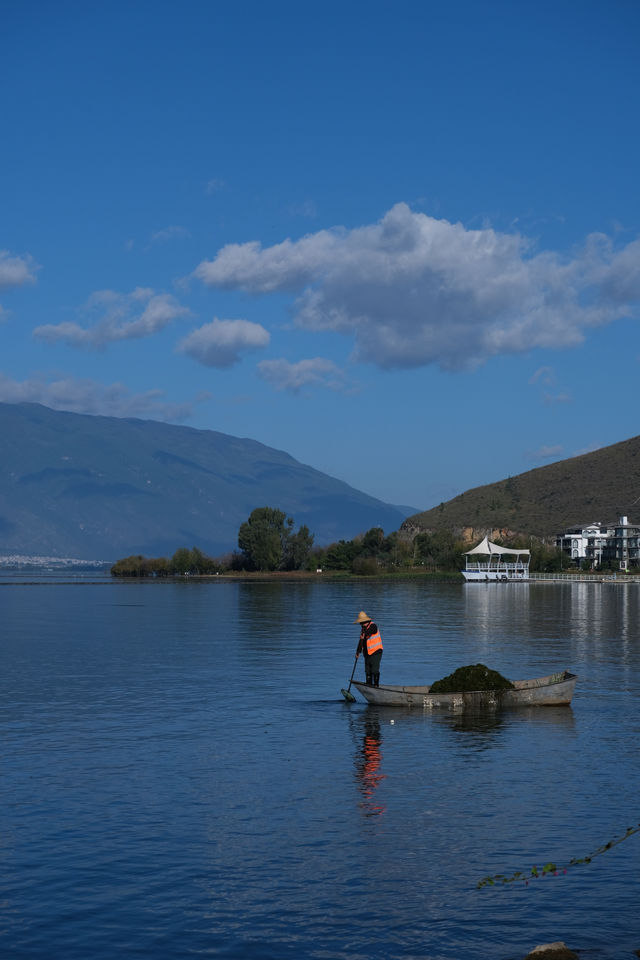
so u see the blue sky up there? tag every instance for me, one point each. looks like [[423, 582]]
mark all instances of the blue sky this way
[[397, 240]]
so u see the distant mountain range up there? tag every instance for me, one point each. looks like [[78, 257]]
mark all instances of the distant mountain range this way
[[74, 485], [598, 486]]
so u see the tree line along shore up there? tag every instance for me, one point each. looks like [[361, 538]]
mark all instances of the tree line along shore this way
[[268, 544]]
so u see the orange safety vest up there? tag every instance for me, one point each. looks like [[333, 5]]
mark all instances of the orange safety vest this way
[[374, 642]]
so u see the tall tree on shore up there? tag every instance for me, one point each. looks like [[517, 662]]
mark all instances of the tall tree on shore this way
[[262, 538], [298, 549], [267, 541]]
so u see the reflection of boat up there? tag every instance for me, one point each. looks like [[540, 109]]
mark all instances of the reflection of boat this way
[[554, 690], [482, 722], [368, 771], [500, 563]]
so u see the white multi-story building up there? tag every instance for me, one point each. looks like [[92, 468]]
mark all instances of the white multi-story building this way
[[585, 542], [618, 542], [624, 547]]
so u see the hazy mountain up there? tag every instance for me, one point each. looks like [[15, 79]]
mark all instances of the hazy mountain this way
[[89, 487], [598, 486]]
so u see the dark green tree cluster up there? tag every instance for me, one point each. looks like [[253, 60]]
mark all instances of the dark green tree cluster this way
[[267, 541], [184, 562], [544, 559], [438, 551], [374, 553]]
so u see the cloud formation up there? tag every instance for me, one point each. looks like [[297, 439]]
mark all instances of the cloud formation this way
[[551, 399], [412, 290], [88, 396], [170, 233], [307, 208], [545, 375], [221, 343], [120, 316], [546, 453], [15, 270], [316, 372]]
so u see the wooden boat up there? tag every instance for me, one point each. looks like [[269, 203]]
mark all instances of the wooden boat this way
[[552, 691]]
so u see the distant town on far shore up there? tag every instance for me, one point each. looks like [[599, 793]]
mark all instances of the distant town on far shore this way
[[17, 561]]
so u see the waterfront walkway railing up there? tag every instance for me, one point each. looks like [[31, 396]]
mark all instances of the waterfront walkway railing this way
[[586, 577]]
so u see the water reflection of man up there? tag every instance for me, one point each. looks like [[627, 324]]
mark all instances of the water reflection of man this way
[[368, 763], [371, 646]]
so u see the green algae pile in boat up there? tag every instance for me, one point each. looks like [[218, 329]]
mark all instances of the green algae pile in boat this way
[[474, 677]]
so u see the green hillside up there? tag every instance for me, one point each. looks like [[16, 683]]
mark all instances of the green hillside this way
[[598, 486]]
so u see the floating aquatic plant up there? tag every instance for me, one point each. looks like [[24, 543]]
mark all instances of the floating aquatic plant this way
[[552, 869], [474, 677]]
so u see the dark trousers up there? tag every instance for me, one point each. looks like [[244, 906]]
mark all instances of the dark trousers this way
[[372, 663]]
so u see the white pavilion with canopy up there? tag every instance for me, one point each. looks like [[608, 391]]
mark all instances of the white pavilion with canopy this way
[[498, 563]]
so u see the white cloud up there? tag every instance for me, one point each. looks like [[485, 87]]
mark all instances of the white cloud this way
[[140, 313], [546, 453], [307, 208], [221, 343], [546, 375], [286, 266], [551, 399], [616, 271], [88, 396], [316, 372], [170, 233], [412, 290], [16, 271], [588, 449]]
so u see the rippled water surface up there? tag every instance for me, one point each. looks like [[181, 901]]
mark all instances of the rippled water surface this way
[[180, 776]]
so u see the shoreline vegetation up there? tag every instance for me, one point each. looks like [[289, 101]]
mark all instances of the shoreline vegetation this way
[[269, 547], [283, 576]]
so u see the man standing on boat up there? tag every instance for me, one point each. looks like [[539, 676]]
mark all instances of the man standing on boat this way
[[371, 646]]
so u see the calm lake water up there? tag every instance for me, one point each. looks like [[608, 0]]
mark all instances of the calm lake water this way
[[180, 776]]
